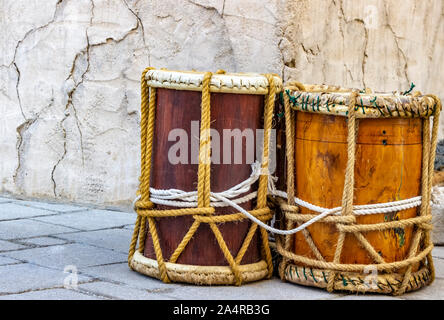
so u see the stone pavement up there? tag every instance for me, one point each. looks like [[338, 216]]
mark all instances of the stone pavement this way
[[46, 248]]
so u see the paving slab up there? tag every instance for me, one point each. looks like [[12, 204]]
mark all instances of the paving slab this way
[[273, 289], [120, 272], [43, 241], [51, 294], [439, 268], [438, 252], [367, 297], [60, 256], [114, 239], [3, 200], [10, 211], [95, 243], [434, 291], [7, 246], [27, 228], [55, 207], [7, 260], [91, 220], [122, 292], [27, 277]]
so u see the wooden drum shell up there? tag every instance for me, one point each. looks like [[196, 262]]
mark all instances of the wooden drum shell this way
[[387, 168], [177, 109]]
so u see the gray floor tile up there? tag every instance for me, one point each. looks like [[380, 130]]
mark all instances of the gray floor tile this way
[[50, 294], [91, 220], [438, 252], [123, 292], [114, 239], [367, 297], [56, 207], [3, 200], [26, 277], [273, 289], [27, 228], [7, 260], [43, 241], [439, 268], [122, 273], [7, 246], [10, 211], [61, 256]]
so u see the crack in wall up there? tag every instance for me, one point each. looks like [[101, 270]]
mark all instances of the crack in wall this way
[[400, 51], [86, 52], [140, 23], [364, 53], [21, 130]]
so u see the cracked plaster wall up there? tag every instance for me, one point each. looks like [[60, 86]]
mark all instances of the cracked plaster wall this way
[[69, 73]]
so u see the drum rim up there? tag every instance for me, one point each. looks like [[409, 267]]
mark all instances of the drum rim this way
[[195, 274], [246, 83], [388, 283], [334, 100]]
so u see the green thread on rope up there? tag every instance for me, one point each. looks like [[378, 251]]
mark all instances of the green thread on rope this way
[[281, 98], [297, 273], [305, 104], [325, 278], [397, 110], [344, 282], [412, 85], [405, 111], [313, 105], [312, 275], [362, 106], [390, 285], [351, 280], [317, 103], [305, 274], [376, 105], [302, 103], [326, 105], [413, 112]]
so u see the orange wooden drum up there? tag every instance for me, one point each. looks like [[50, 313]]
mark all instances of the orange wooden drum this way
[[371, 157]]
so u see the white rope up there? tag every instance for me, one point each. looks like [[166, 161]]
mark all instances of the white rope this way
[[229, 198], [180, 198]]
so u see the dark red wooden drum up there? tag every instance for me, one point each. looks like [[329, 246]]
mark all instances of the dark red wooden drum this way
[[186, 233]]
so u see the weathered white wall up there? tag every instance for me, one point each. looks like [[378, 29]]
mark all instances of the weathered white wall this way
[[70, 69]]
